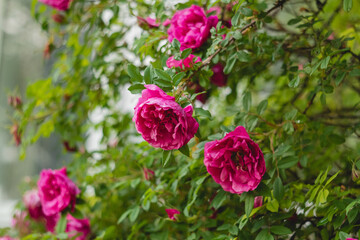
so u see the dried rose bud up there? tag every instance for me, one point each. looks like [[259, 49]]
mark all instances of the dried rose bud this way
[[59, 18], [148, 174], [68, 147], [15, 131], [14, 101]]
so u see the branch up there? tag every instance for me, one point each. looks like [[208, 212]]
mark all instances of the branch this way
[[207, 61]]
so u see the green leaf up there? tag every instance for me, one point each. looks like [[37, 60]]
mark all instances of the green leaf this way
[[218, 200], [278, 189], [178, 77], [148, 75], [262, 107], [123, 216], [288, 162], [332, 178], [280, 230], [162, 83], [264, 235], [176, 44], [202, 113], [134, 73], [352, 215], [229, 65], [273, 206], [243, 56], [61, 224], [235, 19], [166, 157], [247, 12], [246, 101], [347, 5], [355, 73], [291, 115], [249, 204], [163, 75], [294, 21], [325, 62], [136, 88], [185, 53], [340, 76], [185, 150], [294, 82], [134, 213]]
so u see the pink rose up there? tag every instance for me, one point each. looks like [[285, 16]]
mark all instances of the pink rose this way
[[258, 201], [32, 203], [58, 4], [166, 22], [161, 121], [191, 27], [147, 22], [56, 191], [171, 212], [235, 162], [184, 64], [218, 78], [77, 227], [351, 239], [7, 238]]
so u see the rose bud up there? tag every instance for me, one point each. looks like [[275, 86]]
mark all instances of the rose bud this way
[[161, 121], [172, 212], [56, 191], [14, 101], [183, 64], [191, 27], [258, 201], [15, 131], [59, 18], [61, 5], [147, 22], [32, 203], [235, 162], [148, 174], [68, 147], [75, 226], [218, 78]]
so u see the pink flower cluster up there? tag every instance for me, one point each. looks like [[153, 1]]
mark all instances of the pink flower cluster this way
[[55, 193], [183, 64]]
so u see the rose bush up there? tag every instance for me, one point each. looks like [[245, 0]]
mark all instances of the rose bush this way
[[273, 155]]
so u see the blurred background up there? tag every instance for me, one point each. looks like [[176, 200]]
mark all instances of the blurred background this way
[[22, 43]]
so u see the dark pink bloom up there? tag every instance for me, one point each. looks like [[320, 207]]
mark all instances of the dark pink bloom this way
[[161, 121], [351, 239], [32, 203], [171, 212], [218, 78], [147, 22], [58, 4], [148, 173], [56, 191], [235, 162], [191, 27], [184, 64], [258, 201], [77, 227]]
